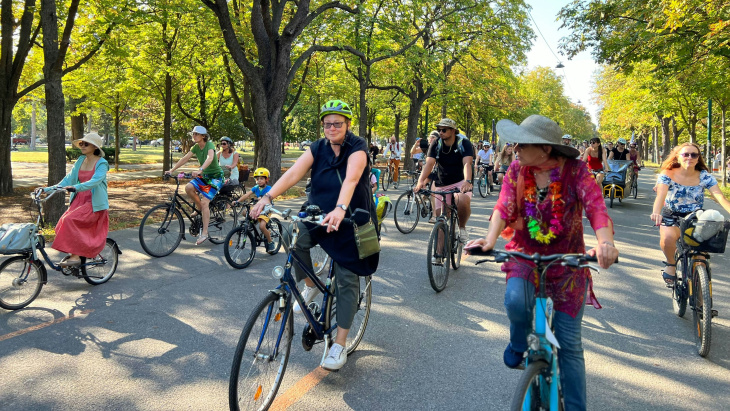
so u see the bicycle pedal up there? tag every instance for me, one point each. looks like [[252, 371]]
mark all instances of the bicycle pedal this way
[[714, 313]]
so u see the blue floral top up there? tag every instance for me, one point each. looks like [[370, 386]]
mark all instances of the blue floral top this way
[[685, 199]]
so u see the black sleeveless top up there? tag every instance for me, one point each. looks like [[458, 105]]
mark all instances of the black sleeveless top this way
[[326, 185]]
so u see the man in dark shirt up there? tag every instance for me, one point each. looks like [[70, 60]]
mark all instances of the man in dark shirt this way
[[619, 152], [453, 156], [374, 151]]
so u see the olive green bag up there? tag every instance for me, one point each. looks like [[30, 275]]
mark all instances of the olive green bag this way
[[366, 235]]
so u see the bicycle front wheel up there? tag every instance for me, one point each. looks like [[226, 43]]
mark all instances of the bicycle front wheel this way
[[275, 229], [483, 185], [239, 247], [223, 219], [21, 280], [259, 362], [438, 256], [456, 245], [702, 309], [362, 315], [635, 185], [102, 267], [533, 390], [407, 212], [386, 179], [319, 259], [161, 230]]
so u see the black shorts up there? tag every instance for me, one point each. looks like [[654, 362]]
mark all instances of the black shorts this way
[[671, 218]]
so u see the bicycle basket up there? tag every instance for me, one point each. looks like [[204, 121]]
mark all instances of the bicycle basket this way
[[714, 244], [16, 237]]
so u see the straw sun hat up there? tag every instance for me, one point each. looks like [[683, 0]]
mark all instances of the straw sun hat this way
[[93, 139], [536, 129]]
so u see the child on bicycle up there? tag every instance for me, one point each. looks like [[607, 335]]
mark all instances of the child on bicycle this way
[[261, 189]]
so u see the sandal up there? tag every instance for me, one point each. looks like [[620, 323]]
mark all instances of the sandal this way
[[201, 239], [669, 279]]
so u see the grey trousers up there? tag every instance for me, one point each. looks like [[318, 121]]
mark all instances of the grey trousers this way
[[347, 283]]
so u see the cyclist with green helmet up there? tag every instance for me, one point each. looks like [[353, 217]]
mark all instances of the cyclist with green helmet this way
[[340, 179]]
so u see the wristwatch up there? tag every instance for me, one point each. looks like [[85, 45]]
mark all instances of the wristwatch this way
[[469, 181], [342, 206]]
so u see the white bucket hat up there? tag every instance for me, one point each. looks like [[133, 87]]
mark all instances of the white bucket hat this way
[[93, 139], [200, 130], [536, 129]]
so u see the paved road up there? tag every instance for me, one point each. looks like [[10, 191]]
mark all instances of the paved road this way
[[161, 334]]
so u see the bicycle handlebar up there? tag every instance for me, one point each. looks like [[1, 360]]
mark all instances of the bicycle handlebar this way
[[441, 193], [168, 176], [570, 259], [36, 194]]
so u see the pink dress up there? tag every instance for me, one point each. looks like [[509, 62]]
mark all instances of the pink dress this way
[[566, 285], [81, 230]]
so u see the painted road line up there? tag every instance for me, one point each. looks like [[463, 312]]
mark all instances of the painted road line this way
[[43, 325], [297, 391]]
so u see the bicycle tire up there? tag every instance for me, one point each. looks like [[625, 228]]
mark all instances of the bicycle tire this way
[[407, 212], [362, 315], [99, 274], [386, 179], [438, 275], [16, 292], [679, 289], [702, 309], [635, 186], [223, 219], [165, 233], [319, 259], [483, 186], [239, 247], [611, 195], [532, 383], [257, 389], [275, 229], [455, 244]]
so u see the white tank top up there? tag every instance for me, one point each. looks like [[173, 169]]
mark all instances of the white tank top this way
[[229, 162]]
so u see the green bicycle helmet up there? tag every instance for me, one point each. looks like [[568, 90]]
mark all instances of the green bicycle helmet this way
[[335, 107]]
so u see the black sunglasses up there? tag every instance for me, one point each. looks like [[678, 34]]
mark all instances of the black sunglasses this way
[[442, 130], [693, 155]]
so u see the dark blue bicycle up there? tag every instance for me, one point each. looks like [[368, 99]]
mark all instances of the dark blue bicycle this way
[[263, 349]]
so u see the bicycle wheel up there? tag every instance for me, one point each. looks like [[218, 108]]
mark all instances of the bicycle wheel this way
[[275, 230], [161, 230], [239, 247], [702, 309], [533, 390], [407, 212], [21, 280], [319, 259], [223, 219], [483, 185], [611, 195], [438, 271], [635, 185], [386, 179], [259, 362], [456, 245], [362, 315], [104, 265], [679, 290]]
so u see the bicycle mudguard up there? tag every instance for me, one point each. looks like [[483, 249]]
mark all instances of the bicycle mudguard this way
[[115, 245]]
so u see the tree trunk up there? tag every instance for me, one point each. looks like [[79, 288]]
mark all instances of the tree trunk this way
[[723, 166], [166, 126], [655, 140], [666, 143], [675, 133], [362, 102], [6, 171], [116, 138], [77, 120], [396, 131]]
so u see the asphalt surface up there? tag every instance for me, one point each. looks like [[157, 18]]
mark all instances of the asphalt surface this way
[[160, 335]]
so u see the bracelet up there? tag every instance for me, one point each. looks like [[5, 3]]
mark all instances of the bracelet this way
[[611, 244], [271, 200]]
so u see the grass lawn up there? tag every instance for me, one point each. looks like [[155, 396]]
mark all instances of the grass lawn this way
[[143, 155]]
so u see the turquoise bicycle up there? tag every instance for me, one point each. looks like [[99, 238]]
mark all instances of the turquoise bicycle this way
[[539, 387]]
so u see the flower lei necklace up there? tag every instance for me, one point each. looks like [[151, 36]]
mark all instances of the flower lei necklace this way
[[536, 227]]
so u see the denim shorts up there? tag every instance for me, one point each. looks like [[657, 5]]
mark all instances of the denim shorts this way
[[671, 218]]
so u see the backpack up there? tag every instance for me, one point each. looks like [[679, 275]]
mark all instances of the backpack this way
[[459, 145]]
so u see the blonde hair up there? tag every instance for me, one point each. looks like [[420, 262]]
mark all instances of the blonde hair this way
[[672, 159], [504, 151]]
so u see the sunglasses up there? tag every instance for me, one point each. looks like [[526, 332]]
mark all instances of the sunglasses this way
[[442, 130], [83, 144], [693, 155], [335, 125], [621, 144]]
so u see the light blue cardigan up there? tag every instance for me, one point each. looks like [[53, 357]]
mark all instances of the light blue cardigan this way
[[97, 184]]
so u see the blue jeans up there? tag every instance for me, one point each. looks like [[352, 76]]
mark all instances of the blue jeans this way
[[519, 302]]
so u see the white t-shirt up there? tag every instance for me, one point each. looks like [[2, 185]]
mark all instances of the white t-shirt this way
[[486, 156], [394, 150]]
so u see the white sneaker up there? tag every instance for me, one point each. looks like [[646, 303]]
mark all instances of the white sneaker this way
[[463, 235], [437, 261], [308, 294], [336, 358]]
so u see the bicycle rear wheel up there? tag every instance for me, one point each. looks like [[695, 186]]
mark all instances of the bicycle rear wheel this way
[[679, 290], [104, 265], [702, 309], [533, 390], [161, 230], [21, 280], [259, 363], [223, 219], [362, 315], [407, 212], [239, 247], [438, 256]]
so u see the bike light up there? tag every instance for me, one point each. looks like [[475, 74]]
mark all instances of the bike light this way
[[278, 272]]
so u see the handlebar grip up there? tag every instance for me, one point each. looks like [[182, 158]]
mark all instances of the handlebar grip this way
[[71, 189]]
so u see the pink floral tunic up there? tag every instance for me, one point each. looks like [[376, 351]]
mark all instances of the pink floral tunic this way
[[566, 285]]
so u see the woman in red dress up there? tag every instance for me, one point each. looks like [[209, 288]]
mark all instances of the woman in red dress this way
[[83, 228]]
